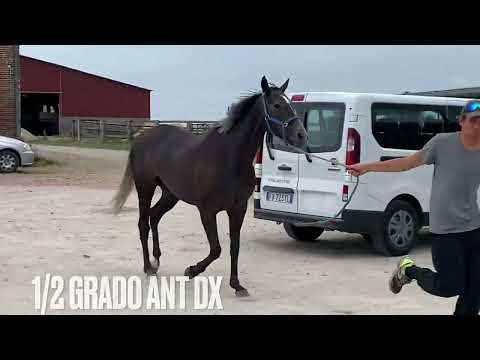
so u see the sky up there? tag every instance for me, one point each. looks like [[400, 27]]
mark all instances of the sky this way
[[199, 82]]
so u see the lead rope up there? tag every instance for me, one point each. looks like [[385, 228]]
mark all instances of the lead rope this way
[[333, 162]]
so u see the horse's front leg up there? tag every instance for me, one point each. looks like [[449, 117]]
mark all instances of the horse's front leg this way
[[236, 217], [209, 221]]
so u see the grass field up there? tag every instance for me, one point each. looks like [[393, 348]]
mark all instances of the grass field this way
[[40, 161]]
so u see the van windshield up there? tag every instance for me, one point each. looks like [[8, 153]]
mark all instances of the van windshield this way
[[324, 124]]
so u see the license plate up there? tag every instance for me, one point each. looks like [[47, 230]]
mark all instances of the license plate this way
[[280, 197]]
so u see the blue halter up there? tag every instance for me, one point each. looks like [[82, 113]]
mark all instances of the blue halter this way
[[283, 124]]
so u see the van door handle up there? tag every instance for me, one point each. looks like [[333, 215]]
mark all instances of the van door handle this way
[[284, 168], [386, 158]]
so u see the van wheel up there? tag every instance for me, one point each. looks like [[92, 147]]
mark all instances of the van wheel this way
[[308, 234], [399, 230]]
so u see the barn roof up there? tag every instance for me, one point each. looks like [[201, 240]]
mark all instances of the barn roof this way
[[85, 73]]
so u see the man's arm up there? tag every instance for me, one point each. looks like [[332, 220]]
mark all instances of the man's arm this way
[[427, 155], [394, 165]]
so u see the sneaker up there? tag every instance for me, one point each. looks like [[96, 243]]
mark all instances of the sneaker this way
[[399, 278]]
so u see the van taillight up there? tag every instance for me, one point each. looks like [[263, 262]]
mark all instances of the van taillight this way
[[258, 156], [258, 168], [353, 147], [345, 193], [258, 177]]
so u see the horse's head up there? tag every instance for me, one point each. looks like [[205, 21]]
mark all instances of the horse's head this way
[[281, 119]]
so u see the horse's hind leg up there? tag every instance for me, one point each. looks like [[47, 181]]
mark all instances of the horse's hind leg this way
[[236, 217], [209, 221], [166, 203], [145, 195]]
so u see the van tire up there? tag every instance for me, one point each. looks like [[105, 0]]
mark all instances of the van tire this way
[[402, 213], [307, 234]]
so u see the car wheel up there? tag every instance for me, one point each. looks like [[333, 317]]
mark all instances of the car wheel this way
[[9, 161], [399, 230], [307, 234]]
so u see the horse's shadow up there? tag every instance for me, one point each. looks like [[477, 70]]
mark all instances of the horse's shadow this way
[[341, 245]]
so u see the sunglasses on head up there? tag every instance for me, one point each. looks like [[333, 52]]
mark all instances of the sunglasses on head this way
[[471, 107]]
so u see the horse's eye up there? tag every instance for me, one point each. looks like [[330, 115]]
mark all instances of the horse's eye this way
[[276, 106]]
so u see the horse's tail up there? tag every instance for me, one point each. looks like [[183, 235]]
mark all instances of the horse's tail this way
[[125, 188]]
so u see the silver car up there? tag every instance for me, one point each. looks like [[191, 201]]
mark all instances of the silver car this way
[[14, 153]]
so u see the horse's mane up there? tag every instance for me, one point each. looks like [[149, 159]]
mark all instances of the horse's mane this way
[[237, 112]]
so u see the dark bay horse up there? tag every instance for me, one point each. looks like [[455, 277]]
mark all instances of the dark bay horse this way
[[213, 171]]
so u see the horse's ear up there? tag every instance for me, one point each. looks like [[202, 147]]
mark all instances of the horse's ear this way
[[265, 86], [284, 86]]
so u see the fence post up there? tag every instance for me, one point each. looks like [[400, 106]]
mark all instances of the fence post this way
[[102, 130], [129, 130], [78, 130]]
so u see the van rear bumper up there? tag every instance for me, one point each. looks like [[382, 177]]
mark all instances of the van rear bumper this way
[[352, 221]]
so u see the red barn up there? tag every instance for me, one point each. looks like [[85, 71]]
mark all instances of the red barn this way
[[54, 95]]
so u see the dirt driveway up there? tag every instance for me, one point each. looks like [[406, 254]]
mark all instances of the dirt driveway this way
[[57, 220]]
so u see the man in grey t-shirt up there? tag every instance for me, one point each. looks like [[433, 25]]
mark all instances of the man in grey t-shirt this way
[[454, 213]]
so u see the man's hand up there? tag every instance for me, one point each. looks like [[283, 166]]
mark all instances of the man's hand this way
[[358, 169]]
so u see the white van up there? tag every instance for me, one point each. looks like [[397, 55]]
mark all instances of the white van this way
[[387, 209]]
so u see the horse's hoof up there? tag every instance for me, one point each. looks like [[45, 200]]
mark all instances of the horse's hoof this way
[[242, 293], [188, 272], [155, 265]]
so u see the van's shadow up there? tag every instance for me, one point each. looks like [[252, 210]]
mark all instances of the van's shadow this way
[[341, 245]]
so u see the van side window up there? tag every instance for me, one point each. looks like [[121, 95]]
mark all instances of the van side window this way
[[431, 122], [324, 124], [386, 124], [408, 127], [453, 112]]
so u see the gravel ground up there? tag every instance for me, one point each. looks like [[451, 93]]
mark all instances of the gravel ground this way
[[56, 219]]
